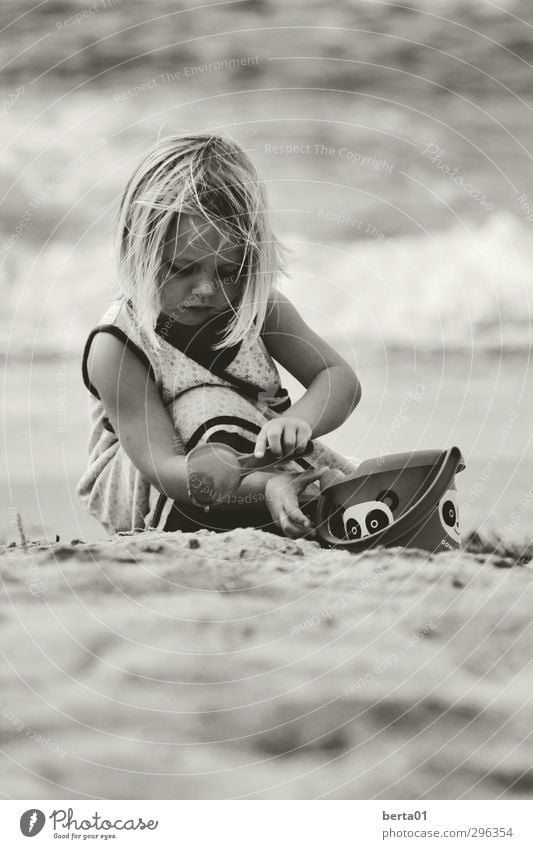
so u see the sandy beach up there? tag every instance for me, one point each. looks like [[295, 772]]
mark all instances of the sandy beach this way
[[245, 665], [394, 141]]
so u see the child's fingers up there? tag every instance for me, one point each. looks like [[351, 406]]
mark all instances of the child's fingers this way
[[298, 516], [274, 439], [261, 443], [302, 438], [310, 475], [290, 527], [329, 477], [289, 439]]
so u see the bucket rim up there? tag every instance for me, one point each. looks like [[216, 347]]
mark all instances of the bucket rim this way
[[397, 462]]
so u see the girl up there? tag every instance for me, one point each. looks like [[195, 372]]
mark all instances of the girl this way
[[186, 354]]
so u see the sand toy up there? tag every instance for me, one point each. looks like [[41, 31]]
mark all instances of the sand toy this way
[[407, 500], [215, 470]]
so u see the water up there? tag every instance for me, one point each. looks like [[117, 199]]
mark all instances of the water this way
[[463, 289]]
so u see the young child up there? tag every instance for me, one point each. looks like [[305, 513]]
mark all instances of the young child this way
[[186, 354]]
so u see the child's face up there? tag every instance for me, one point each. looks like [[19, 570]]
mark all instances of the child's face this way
[[199, 274]]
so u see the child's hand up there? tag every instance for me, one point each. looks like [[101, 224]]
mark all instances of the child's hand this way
[[284, 435], [281, 497]]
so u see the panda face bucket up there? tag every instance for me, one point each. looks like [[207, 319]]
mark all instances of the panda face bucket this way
[[449, 514], [405, 500], [362, 520]]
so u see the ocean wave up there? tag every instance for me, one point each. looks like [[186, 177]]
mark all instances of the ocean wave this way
[[463, 288], [451, 289]]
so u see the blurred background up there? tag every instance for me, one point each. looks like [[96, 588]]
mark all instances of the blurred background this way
[[395, 143]]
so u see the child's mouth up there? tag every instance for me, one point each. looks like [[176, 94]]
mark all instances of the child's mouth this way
[[204, 309]]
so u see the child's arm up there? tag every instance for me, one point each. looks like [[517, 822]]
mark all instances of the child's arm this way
[[333, 389], [134, 408], [142, 424]]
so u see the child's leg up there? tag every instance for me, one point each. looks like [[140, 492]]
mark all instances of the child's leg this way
[[114, 491], [189, 518]]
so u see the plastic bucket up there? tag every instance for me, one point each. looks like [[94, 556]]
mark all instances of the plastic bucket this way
[[407, 500]]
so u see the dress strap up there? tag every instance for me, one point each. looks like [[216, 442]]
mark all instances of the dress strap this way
[[128, 343]]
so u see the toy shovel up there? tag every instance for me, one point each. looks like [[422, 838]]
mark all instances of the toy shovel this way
[[215, 470]]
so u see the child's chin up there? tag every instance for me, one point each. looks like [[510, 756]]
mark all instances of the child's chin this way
[[195, 316], [190, 316]]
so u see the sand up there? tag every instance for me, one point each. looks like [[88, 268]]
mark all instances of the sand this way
[[246, 665]]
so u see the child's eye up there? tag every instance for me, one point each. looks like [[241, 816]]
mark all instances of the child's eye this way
[[226, 276], [229, 276], [177, 271]]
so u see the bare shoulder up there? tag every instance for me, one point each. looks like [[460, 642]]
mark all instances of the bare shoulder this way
[[113, 369], [281, 314]]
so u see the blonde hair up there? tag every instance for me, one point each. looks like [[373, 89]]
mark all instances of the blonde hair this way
[[205, 175]]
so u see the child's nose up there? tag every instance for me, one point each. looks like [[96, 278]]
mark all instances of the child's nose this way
[[207, 286]]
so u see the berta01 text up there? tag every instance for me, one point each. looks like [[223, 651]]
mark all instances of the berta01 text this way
[[405, 815]]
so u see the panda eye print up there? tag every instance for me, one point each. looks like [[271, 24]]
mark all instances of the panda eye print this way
[[363, 520], [449, 514], [353, 529]]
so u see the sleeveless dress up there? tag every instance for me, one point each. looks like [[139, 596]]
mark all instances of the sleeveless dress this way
[[223, 395]]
